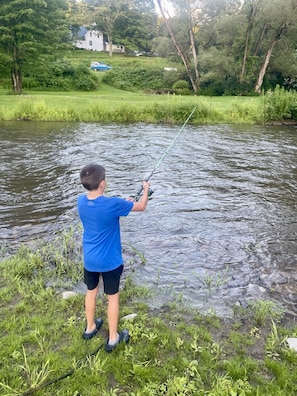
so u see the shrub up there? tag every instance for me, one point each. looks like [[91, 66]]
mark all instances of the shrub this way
[[60, 75], [280, 104], [180, 84], [181, 87], [134, 79], [174, 58]]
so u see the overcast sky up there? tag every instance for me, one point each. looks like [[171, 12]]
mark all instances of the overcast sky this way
[[166, 5]]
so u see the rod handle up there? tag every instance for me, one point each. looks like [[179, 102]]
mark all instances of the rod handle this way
[[138, 193]]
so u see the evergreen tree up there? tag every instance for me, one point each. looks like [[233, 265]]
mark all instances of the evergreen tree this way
[[29, 29]]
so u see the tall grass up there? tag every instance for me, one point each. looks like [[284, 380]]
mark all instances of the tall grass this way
[[280, 105], [113, 105], [121, 107]]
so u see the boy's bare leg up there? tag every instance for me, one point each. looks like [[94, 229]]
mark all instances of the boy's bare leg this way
[[90, 307], [113, 316]]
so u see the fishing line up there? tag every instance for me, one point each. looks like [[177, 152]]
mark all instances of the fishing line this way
[[137, 196], [30, 391]]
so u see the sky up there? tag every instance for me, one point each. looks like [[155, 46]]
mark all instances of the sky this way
[[167, 6]]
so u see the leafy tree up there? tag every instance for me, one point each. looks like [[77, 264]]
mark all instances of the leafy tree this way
[[274, 27], [136, 29], [250, 9], [144, 6], [230, 43], [220, 46], [77, 14], [162, 46], [248, 36], [186, 23], [29, 28]]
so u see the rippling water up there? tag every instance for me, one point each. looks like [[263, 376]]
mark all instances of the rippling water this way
[[221, 227]]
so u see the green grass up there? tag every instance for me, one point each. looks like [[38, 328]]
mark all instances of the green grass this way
[[112, 105], [175, 351]]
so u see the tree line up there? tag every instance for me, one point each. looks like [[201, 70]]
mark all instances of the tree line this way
[[225, 46], [236, 45]]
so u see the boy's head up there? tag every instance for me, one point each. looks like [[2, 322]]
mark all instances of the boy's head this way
[[91, 176]]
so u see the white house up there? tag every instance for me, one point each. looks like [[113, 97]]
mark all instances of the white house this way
[[90, 40], [94, 41]]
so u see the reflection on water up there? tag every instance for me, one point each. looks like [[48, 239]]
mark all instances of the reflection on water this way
[[221, 227]]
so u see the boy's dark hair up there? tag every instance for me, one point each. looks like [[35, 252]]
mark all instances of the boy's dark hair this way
[[91, 176]]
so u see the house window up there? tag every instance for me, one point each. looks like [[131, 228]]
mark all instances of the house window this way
[[90, 43], [90, 34]]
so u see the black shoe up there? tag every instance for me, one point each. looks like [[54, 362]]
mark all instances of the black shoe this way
[[88, 336], [123, 337]]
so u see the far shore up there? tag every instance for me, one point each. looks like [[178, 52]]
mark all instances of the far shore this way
[[113, 105]]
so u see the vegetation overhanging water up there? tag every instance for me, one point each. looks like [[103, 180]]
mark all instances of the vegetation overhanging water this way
[[124, 107]]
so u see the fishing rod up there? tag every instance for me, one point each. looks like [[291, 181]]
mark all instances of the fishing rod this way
[[137, 196]]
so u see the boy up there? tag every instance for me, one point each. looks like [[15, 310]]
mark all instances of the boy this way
[[102, 249]]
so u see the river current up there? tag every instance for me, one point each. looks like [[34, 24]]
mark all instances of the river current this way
[[220, 229]]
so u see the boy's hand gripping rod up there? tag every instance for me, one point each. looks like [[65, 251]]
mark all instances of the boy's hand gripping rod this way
[[137, 196]]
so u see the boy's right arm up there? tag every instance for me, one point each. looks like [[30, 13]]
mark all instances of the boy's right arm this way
[[140, 205]]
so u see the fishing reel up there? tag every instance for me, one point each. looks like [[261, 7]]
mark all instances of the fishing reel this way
[[138, 195], [150, 192]]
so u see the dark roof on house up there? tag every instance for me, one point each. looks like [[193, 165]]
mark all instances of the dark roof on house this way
[[82, 32]]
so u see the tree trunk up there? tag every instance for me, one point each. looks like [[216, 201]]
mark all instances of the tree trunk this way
[[259, 82], [16, 78], [243, 67], [247, 39], [192, 40], [109, 45], [259, 42], [179, 49], [276, 38]]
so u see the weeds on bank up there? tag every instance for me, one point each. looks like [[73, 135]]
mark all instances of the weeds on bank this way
[[280, 105], [114, 105], [175, 351], [126, 108]]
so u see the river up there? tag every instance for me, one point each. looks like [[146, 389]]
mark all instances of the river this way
[[220, 229]]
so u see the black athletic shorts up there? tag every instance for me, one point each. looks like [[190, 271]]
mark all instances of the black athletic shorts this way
[[111, 280]]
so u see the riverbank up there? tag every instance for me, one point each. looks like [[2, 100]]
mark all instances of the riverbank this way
[[113, 105], [174, 350]]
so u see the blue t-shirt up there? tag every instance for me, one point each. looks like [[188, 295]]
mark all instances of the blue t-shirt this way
[[101, 238]]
